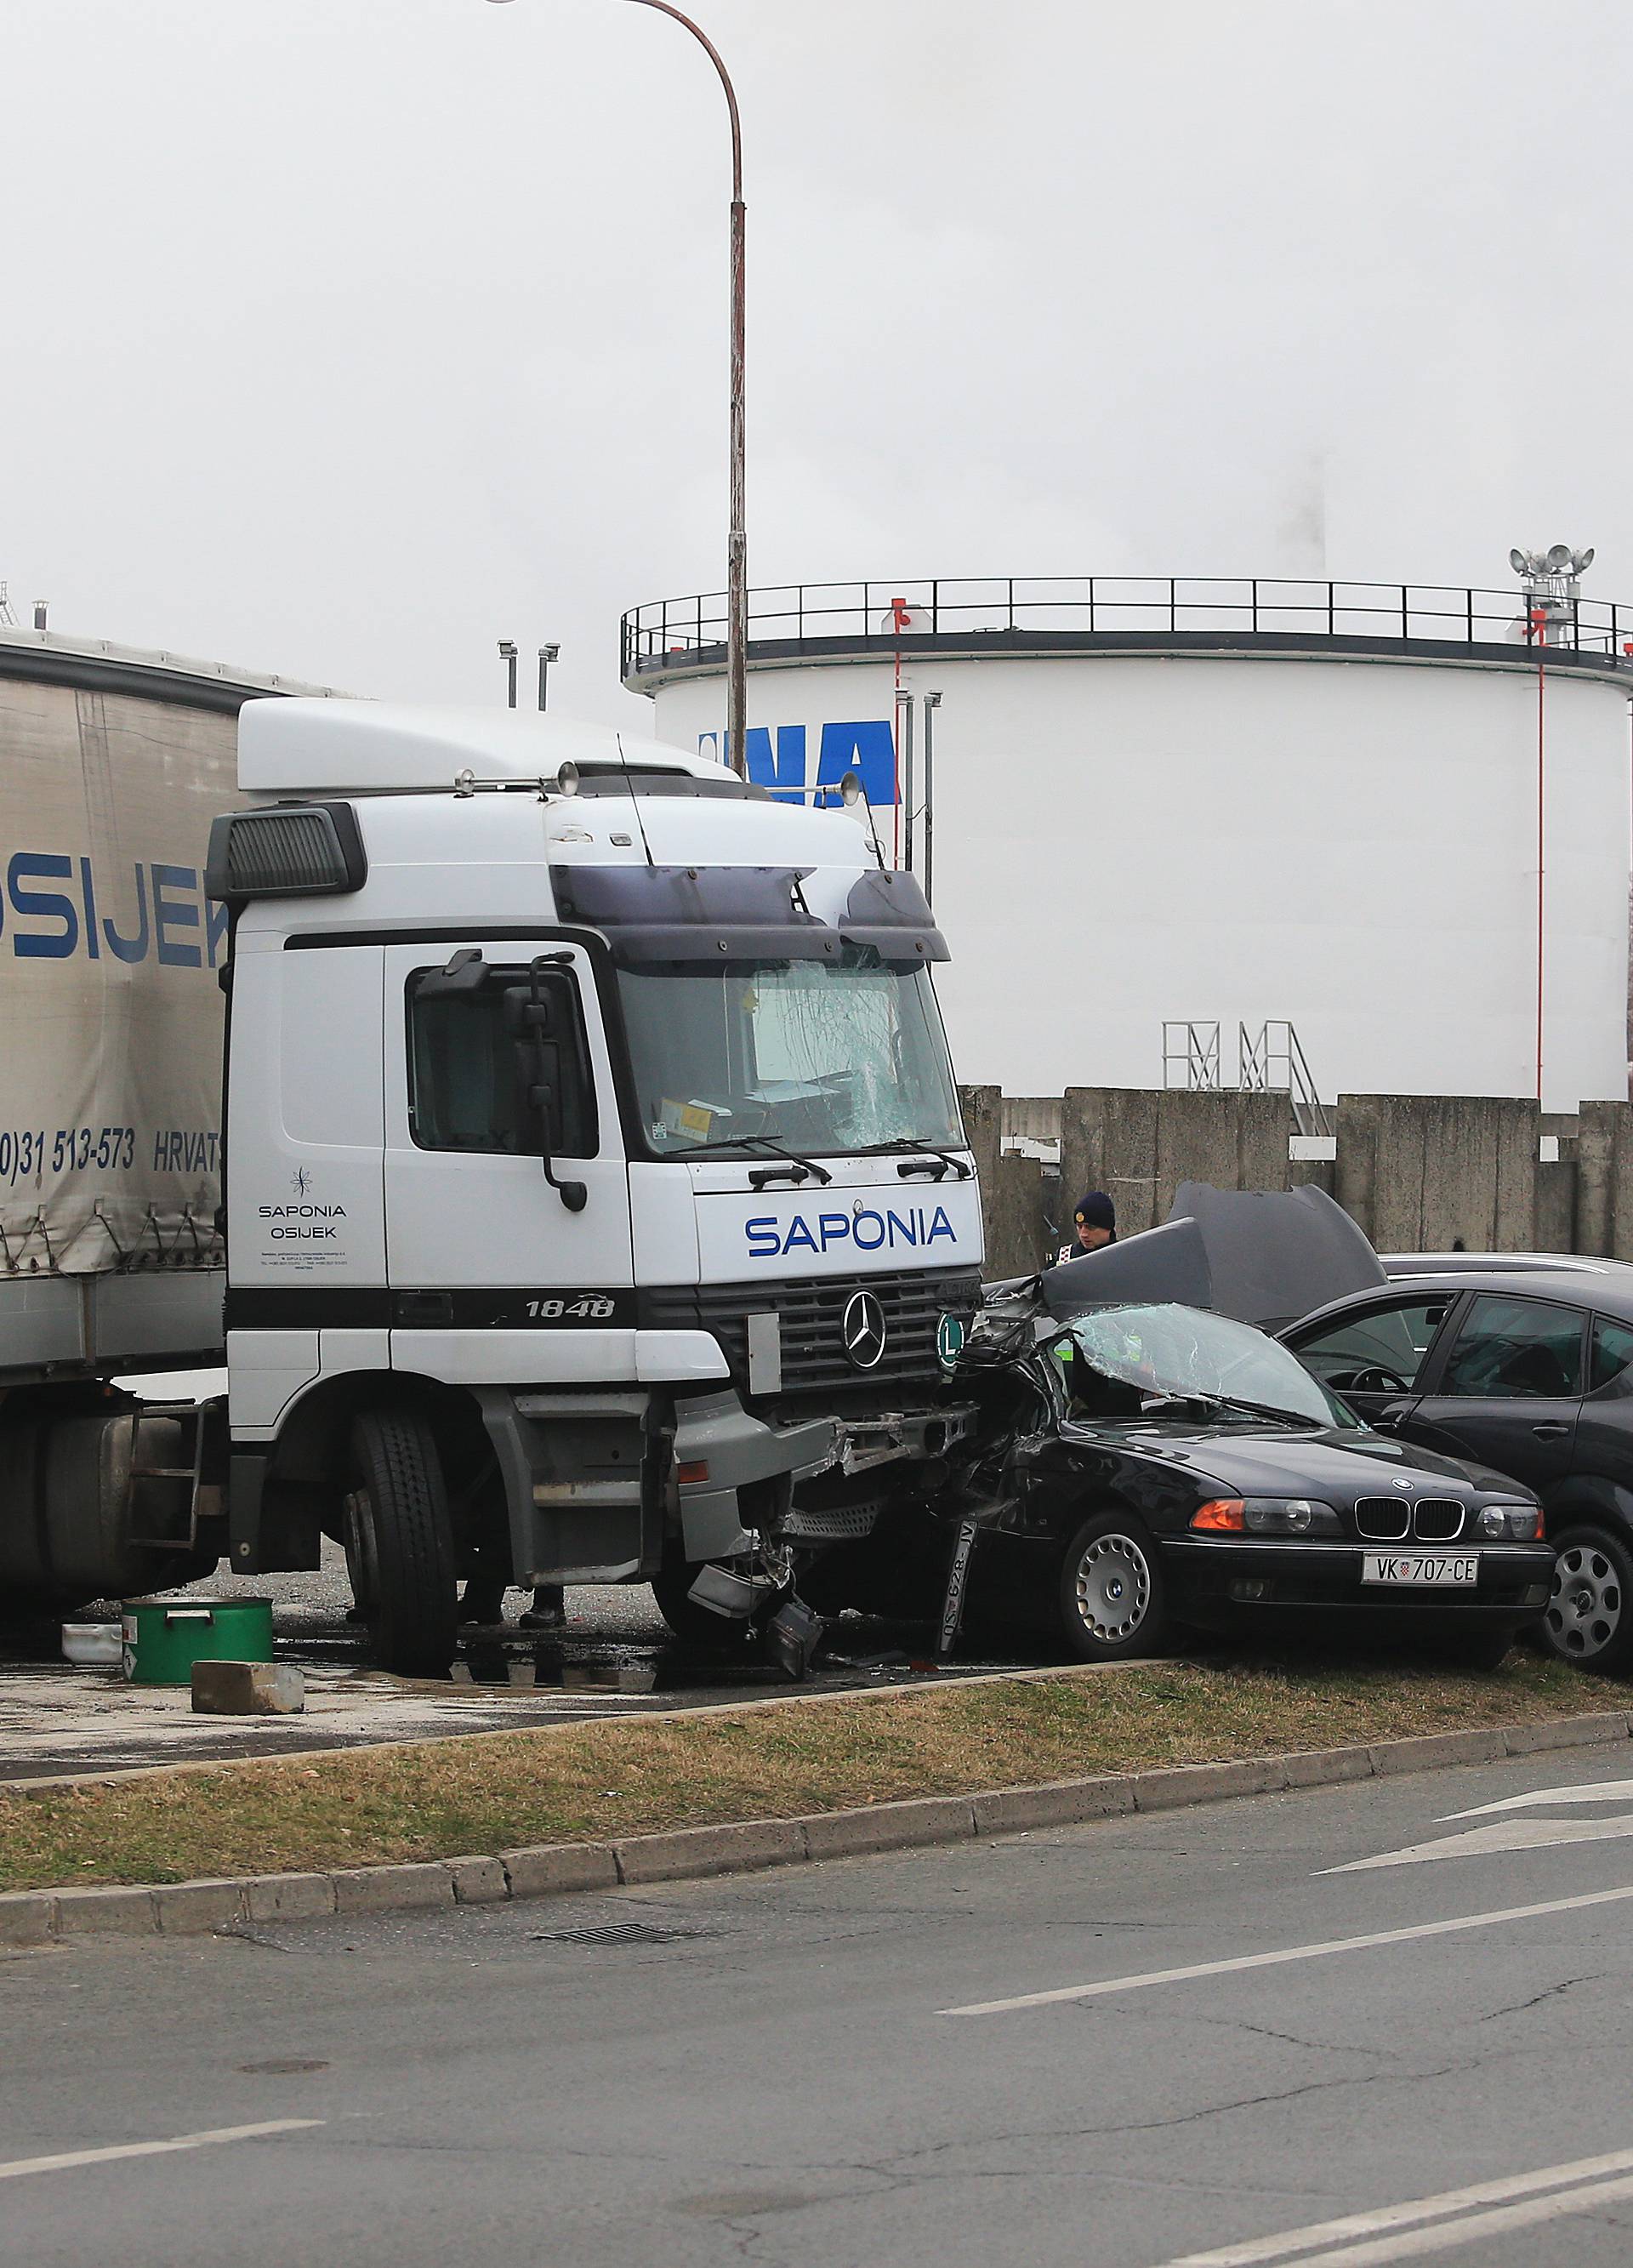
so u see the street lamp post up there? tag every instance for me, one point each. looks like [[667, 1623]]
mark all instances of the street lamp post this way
[[546, 655], [507, 655], [737, 542]]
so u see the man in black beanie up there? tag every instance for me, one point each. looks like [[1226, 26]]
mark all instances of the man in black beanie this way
[[1094, 1224]]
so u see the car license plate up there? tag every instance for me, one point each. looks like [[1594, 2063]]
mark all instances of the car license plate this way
[[1419, 1567]]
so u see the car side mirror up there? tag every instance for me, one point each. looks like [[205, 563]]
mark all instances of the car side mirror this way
[[552, 1072]]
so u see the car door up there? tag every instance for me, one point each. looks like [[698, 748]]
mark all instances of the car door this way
[[1507, 1388], [1604, 1443], [1374, 1355]]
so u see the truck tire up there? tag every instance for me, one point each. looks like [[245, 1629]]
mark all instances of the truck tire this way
[[400, 1544], [1109, 1600]]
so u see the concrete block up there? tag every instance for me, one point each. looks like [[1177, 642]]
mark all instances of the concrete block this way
[[194, 1909], [729, 1849], [1108, 1141], [392, 1889], [290, 1897], [1556, 1205], [890, 1826], [1566, 1732], [478, 1881], [1017, 1241], [115, 1910], [1327, 1767], [1425, 1751], [27, 1917], [1053, 1803], [249, 1689], [1265, 1127], [983, 1126], [1605, 1180], [1421, 1172], [551, 1866], [1196, 1142], [1178, 1784]]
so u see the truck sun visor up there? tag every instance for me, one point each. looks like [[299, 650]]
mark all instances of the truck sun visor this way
[[708, 913], [289, 851], [695, 913], [890, 912]]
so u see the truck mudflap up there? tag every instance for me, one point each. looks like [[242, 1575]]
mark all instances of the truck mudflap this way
[[721, 1448]]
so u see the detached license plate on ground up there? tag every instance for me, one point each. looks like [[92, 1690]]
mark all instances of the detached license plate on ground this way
[[1419, 1567]]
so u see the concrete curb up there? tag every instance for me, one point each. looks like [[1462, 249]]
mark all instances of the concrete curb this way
[[37, 1918]]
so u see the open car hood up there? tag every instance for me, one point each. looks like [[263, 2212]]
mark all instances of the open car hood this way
[[1265, 1256]]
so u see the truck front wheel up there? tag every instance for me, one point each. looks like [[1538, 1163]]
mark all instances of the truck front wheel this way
[[400, 1544]]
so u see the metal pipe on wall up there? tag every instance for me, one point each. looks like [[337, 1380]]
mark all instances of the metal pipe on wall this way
[[904, 726], [932, 702]]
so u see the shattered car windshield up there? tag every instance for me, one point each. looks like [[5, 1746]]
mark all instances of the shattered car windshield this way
[[1114, 1359]]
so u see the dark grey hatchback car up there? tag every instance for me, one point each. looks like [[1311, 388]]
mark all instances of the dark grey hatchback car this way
[[1527, 1369]]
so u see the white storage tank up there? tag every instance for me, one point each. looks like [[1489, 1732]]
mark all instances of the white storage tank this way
[[1227, 804]]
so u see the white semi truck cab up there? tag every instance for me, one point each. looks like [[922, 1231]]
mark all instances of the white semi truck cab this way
[[598, 1207]]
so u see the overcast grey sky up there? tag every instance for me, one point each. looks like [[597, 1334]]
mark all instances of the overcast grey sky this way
[[346, 337]]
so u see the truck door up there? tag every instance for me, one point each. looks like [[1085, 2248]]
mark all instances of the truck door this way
[[482, 1047]]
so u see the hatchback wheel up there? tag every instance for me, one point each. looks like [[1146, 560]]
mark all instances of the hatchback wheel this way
[[1589, 1622], [1111, 1602]]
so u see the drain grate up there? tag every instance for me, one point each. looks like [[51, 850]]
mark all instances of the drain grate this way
[[622, 1932]]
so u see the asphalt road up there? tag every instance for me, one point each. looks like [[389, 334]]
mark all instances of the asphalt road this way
[[851, 2064]]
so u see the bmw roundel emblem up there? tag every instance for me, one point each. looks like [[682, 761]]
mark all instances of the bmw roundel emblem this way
[[863, 1330]]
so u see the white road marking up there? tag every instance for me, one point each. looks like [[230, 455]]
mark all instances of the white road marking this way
[[1604, 1791], [1256, 2250], [66, 2158], [1245, 1961], [1474, 2227], [1501, 1835]]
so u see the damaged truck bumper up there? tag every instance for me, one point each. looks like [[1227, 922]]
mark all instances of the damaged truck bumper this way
[[722, 1453]]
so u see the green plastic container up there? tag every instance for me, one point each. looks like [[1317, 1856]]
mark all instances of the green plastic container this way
[[164, 1638]]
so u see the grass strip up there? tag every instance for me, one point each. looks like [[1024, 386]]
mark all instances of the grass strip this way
[[589, 1782]]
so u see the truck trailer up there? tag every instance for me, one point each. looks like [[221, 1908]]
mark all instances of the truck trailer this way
[[593, 1204]]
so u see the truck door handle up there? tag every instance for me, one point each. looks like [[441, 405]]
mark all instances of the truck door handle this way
[[1551, 1431]]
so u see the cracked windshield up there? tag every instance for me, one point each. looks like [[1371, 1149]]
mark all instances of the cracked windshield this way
[[1168, 1353], [807, 1054]]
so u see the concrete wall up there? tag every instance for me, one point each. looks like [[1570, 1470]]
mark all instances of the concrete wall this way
[[1419, 1172], [1427, 1172]]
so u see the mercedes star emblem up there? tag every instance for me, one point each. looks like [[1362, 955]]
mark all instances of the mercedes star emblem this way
[[862, 1327]]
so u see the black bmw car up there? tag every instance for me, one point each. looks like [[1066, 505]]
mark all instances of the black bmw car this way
[[1146, 1467]]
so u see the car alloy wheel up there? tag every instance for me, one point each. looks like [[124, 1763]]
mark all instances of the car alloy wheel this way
[[1585, 1616], [1113, 1588]]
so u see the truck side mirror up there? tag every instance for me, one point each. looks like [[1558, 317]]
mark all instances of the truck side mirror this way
[[552, 1070]]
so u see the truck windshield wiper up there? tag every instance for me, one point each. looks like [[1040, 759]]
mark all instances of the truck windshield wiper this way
[[808, 1167], [949, 1163]]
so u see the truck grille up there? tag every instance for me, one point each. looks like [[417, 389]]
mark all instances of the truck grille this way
[[810, 1310]]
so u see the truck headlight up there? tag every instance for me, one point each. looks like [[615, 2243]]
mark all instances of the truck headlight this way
[[1511, 1523], [1267, 1516]]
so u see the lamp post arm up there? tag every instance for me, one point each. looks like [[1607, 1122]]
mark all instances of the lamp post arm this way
[[713, 52]]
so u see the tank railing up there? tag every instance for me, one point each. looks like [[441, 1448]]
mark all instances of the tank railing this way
[[889, 614], [1190, 1056], [1276, 1048]]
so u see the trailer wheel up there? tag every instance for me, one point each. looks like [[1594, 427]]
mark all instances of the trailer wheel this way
[[400, 1544]]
